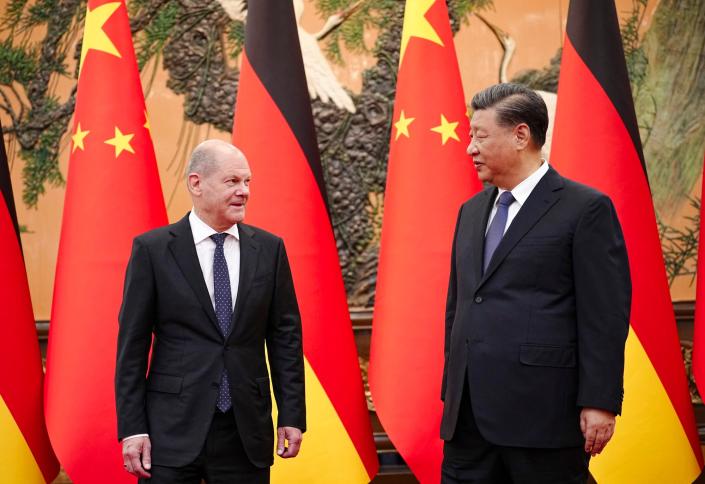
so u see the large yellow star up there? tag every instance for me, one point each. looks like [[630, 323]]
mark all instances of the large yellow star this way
[[94, 37], [446, 130], [402, 125], [121, 142], [416, 25], [146, 123], [78, 138]]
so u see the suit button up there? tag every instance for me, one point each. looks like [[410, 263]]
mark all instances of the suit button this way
[[478, 299]]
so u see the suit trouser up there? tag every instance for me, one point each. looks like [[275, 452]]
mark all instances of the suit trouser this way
[[221, 461], [469, 458]]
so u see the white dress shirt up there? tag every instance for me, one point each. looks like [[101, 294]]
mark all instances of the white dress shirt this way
[[520, 193], [205, 250]]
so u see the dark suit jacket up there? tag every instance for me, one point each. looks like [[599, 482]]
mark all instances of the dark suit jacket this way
[[166, 298], [541, 334]]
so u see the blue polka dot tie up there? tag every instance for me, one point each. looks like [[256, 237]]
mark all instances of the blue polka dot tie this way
[[496, 230], [223, 311]]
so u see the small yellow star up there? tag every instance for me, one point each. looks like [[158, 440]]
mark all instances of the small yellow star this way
[[416, 25], [94, 37], [121, 142], [146, 122], [446, 130], [78, 138], [402, 125]]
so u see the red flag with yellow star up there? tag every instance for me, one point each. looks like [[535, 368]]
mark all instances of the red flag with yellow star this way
[[25, 452], [429, 176], [113, 193]]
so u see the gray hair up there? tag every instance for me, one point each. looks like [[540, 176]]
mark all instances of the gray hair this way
[[205, 156]]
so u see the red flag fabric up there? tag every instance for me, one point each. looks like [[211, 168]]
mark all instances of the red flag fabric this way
[[113, 193], [25, 451], [596, 141], [699, 336], [429, 176], [274, 128]]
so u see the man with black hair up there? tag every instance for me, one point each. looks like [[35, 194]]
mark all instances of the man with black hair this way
[[537, 312]]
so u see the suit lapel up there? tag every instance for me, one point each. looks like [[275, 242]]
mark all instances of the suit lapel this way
[[542, 198], [184, 251], [249, 251]]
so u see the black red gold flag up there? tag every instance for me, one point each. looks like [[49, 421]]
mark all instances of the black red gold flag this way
[[25, 452], [274, 128], [596, 141]]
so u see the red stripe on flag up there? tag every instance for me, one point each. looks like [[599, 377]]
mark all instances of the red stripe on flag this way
[[699, 336], [591, 145], [20, 360], [286, 200]]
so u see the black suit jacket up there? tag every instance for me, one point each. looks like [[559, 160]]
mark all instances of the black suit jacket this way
[[166, 299], [541, 333]]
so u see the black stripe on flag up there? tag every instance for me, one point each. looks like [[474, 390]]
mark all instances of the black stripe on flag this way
[[6, 186], [593, 29], [273, 49]]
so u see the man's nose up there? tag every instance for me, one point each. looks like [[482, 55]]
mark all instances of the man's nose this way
[[243, 191], [472, 149]]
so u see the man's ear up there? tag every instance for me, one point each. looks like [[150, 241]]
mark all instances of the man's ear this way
[[193, 183], [522, 136]]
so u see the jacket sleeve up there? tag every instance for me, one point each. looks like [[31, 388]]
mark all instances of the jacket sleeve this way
[[603, 303], [285, 348], [136, 320], [451, 302]]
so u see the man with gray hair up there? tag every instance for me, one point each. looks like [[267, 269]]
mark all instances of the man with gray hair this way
[[537, 312], [206, 295]]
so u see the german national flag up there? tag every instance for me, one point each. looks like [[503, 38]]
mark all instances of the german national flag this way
[[428, 177], [596, 141], [113, 194], [699, 336], [274, 128], [25, 452]]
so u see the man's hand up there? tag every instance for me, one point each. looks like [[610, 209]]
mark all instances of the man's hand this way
[[137, 456], [293, 436], [597, 426]]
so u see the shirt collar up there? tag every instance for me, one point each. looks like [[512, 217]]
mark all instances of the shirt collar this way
[[201, 230], [522, 191]]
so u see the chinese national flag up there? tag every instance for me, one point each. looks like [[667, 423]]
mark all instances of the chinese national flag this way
[[596, 142], [113, 193], [429, 177], [25, 452], [274, 128]]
